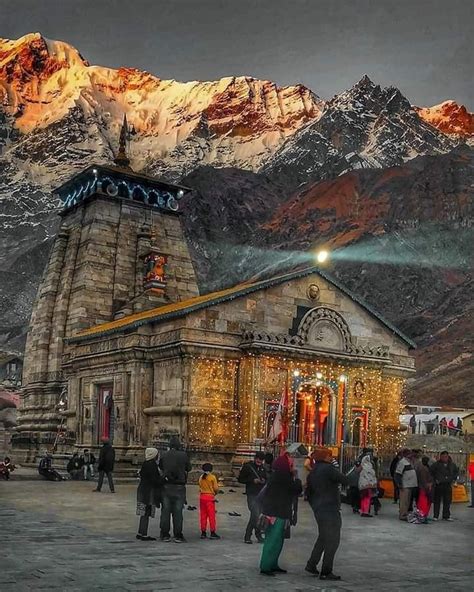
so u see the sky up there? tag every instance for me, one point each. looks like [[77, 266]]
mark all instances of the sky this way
[[424, 47]]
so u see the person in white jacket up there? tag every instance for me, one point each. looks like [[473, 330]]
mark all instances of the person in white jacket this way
[[367, 485]]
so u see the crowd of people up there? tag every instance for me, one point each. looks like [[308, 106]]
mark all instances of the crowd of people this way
[[273, 489], [443, 426]]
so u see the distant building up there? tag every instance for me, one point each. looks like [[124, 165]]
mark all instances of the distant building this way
[[11, 370]]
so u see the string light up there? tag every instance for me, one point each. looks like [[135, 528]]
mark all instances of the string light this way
[[229, 399]]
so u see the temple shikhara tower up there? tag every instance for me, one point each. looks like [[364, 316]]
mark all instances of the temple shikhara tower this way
[[121, 344]]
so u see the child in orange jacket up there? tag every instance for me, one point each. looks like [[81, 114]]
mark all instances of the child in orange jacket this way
[[208, 487]]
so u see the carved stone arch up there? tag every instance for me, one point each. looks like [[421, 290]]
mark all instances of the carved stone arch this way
[[325, 328]]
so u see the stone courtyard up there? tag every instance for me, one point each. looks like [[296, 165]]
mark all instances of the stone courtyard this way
[[62, 536]]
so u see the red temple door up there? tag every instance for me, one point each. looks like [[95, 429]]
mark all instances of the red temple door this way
[[105, 411]]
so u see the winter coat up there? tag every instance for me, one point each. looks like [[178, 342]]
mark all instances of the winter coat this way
[[323, 486], [353, 477], [150, 486], [279, 494], [367, 476], [248, 473], [393, 466], [425, 478], [106, 458], [444, 473], [175, 466]]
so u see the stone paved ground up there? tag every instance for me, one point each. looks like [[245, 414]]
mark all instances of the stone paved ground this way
[[62, 536]]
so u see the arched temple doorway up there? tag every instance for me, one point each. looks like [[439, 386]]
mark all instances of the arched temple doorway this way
[[315, 413]]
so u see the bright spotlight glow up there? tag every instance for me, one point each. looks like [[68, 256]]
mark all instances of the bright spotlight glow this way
[[296, 372], [322, 256], [319, 375]]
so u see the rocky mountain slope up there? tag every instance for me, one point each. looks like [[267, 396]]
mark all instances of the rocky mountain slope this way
[[275, 171]]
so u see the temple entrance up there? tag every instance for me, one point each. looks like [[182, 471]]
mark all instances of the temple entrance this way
[[313, 411], [359, 426], [105, 413]]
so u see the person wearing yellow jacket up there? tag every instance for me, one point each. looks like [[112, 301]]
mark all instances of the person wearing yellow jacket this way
[[208, 488]]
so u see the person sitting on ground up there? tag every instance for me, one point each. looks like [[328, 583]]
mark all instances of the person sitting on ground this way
[[74, 467], [45, 469], [208, 488], [6, 467], [425, 487], [148, 493], [367, 485], [445, 473], [88, 461]]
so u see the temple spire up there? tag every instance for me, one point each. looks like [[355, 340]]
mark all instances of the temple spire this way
[[121, 158]]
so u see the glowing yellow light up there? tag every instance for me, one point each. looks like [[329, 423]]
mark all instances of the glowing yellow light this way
[[296, 372], [319, 375], [342, 378], [322, 256]]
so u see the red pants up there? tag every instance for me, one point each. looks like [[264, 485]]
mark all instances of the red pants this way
[[365, 497], [207, 510], [424, 502]]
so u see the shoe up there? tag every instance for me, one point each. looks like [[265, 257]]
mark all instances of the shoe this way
[[203, 534], [435, 519], [329, 576], [165, 539], [366, 516], [260, 539], [266, 573], [214, 536], [179, 539], [96, 490], [247, 541], [145, 538], [312, 570], [449, 519], [279, 570], [113, 491], [139, 537]]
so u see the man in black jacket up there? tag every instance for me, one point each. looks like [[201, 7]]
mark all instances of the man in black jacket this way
[[444, 472], [324, 498], [106, 465], [175, 466], [254, 476]]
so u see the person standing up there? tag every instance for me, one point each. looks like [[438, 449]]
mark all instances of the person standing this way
[[254, 476], [451, 427], [367, 485], [413, 424], [459, 427], [277, 507], [443, 426], [471, 477], [324, 498], [425, 487], [175, 466], [393, 468], [88, 462], [445, 473], [208, 488], [353, 493], [106, 465], [436, 425], [148, 493], [407, 481]]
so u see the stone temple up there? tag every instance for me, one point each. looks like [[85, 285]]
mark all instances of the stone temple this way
[[122, 345]]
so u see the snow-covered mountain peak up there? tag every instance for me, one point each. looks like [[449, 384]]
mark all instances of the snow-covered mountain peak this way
[[450, 117]]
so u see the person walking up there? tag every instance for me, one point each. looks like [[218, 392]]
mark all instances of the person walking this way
[[277, 507], [148, 493], [106, 465], [471, 477], [445, 473], [88, 462], [208, 488], [325, 501], [254, 476], [407, 481], [367, 485], [175, 466], [393, 468]]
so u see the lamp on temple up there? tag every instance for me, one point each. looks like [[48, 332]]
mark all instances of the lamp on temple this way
[[322, 256]]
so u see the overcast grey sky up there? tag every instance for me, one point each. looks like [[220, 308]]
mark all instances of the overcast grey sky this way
[[425, 47]]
